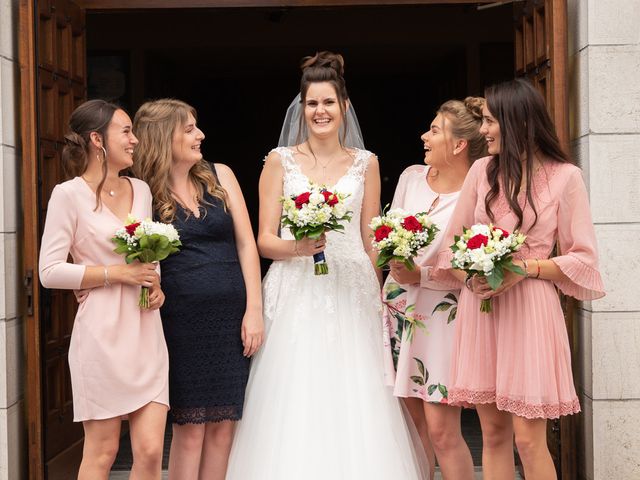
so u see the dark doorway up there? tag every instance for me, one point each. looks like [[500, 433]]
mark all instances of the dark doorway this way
[[239, 68]]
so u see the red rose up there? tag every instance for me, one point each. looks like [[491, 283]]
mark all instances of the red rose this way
[[505, 234], [302, 199], [132, 228], [477, 241], [382, 232], [412, 224], [329, 198]]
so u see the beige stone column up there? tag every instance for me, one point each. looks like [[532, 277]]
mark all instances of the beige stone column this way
[[604, 49], [12, 424]]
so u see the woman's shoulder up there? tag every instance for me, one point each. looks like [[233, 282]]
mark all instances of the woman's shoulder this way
[[139, 185], [71, 187], [413, 171]]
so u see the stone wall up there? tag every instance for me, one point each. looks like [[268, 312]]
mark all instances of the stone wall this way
[[12, 425], [604, 52]]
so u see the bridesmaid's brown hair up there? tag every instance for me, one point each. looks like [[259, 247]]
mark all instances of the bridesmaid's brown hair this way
[[91, 116], [525, 128]]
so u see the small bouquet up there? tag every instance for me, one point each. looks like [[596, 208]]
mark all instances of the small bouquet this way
[[399, 236], [311, 213], [147, 242], [487, 251]]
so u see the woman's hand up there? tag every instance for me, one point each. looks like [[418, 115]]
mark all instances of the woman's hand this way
[[136, 273], [156, 297], [252, 332], [481, 288], [402, 274], [308, 246], [82, 294]]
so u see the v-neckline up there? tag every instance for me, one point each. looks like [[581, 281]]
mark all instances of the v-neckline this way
[[311, 182], [105, 206]]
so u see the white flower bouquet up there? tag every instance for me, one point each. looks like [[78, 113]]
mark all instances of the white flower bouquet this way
[[311, 213], [146, 241], [399, 236], [487, 251]]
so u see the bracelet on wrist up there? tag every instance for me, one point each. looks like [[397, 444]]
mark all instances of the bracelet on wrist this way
[[468, 281], [537, 268], [526, 268], [106, 282]]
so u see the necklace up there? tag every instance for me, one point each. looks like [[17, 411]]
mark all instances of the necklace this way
[[324, 167], [111, 193], [434, 204]]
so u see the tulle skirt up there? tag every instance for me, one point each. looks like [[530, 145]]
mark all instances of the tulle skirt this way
[[316, 405]]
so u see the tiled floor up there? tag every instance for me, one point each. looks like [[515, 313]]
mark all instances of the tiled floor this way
[[470, 430], [125, 475]]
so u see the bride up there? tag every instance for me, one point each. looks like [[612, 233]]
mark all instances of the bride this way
[[316, 405]]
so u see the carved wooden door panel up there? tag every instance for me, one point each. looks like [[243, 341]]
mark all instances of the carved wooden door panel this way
[[52, 55]]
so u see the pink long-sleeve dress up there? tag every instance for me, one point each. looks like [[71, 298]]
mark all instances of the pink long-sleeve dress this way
[[518, 355], [419, 320], [117, 355]]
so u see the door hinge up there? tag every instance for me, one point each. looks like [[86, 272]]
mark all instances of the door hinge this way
[[28, 288]]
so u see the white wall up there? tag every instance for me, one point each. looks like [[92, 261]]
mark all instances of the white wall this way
[[12, 429], [604, 49]]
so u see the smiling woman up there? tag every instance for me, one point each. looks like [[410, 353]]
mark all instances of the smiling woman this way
[[117, 356]]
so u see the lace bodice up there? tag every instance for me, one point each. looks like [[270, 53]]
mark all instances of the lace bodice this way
[[347, 244]]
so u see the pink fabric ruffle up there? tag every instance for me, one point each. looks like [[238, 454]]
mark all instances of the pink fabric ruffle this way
[[585, 282], [464, 397]]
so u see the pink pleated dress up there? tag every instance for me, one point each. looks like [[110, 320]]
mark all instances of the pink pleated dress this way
[[518, 355], [117, 356]]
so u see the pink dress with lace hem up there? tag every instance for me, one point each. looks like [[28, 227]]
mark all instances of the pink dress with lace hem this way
[[518, 355]]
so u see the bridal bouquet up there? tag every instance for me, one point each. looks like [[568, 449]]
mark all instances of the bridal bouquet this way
[[399, 236], [311, 213], [147, 242], [487, 251]]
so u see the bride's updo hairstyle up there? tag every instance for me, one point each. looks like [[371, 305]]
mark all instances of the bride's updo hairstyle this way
[[91, 116], [324, 67], [464, 119]]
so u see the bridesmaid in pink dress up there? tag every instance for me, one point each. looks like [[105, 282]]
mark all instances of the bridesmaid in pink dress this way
[[420, 313], [514, 363], [117, 356]]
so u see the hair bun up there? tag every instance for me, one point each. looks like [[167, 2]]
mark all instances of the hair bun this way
[[474, 106], [324, 60], [73, 140]]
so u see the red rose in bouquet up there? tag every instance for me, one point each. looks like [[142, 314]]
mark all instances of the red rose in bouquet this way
[[382, 232], [477, 241], [302, 199], [329, 198], [412, 224]]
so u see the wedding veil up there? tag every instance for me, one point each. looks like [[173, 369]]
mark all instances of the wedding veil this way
[[291, 135]]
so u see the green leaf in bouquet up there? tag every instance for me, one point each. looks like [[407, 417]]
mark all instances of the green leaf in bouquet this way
[[496, 277], [131, 257], [514, 268], [144, 241], [120, 249], [408, 262], [147, 255]]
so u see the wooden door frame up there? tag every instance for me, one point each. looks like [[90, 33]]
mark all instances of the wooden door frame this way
[[30, 296]]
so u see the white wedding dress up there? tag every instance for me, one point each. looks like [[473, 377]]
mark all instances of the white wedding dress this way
[[316, 406]]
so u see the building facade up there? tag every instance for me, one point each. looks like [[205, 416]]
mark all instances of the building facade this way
[[604, 92]]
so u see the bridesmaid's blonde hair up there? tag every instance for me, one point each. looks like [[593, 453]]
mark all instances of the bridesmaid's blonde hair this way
[[154, 125], [465, 119]]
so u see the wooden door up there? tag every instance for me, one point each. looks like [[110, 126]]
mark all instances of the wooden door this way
[[541, 56], [52, 56]]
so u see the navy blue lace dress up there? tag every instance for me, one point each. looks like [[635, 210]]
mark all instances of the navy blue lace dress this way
[[202, 316]]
